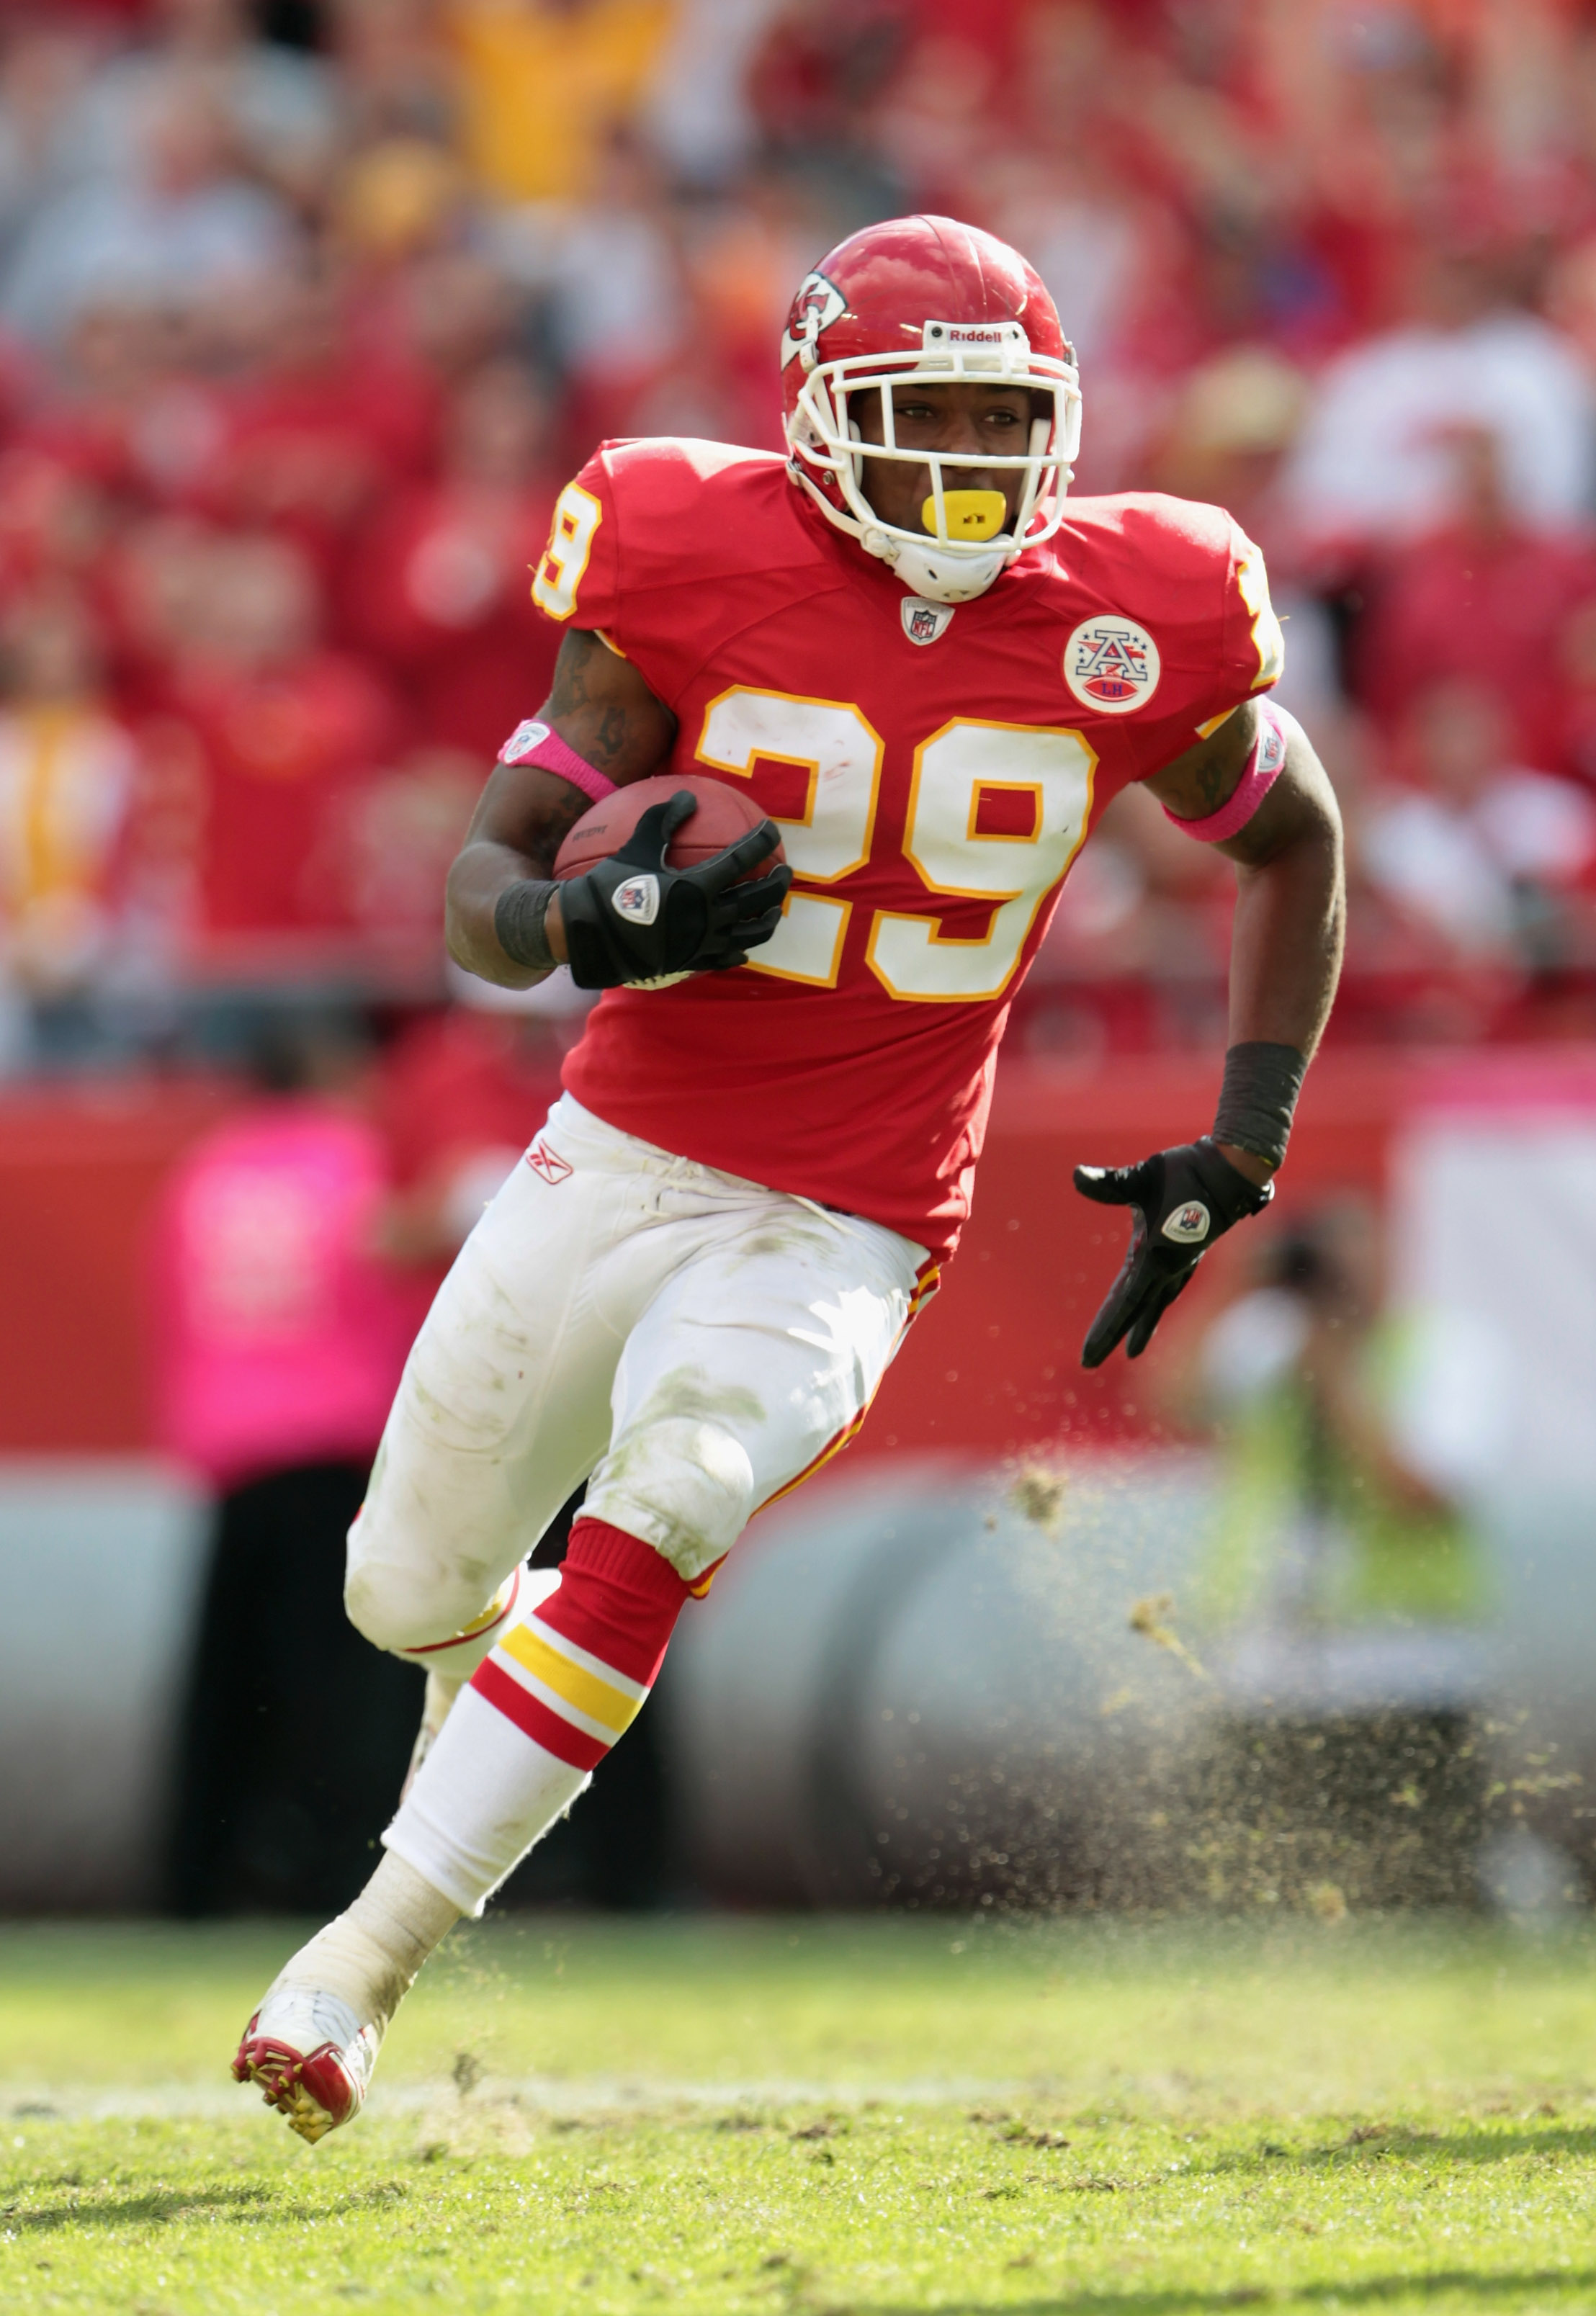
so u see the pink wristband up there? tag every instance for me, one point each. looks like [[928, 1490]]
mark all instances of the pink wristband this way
[[1263, 768], [535, 744]]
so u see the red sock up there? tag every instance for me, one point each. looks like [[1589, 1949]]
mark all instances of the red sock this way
[[619, 1599], [573, 1674]]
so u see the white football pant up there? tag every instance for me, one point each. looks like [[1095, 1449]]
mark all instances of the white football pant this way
[[696, 1344]]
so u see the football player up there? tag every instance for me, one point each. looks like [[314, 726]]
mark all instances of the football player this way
[[933, 670]]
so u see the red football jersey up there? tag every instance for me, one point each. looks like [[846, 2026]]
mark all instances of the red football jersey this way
[[933, 772]]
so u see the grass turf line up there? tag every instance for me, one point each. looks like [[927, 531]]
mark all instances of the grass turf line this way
[[1384, 2117]]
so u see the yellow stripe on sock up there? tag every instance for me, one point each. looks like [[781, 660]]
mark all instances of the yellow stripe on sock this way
[[601, 1703]]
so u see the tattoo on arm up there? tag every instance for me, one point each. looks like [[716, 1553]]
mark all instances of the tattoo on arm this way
[[1216, 782], [559, 814], [1200, 781], [570, 694], [601, 706], [612, 736]]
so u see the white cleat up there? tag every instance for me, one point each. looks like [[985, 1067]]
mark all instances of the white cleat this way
[[311, 2056]]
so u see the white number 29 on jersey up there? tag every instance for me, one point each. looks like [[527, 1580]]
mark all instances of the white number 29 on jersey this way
[[955, 769]]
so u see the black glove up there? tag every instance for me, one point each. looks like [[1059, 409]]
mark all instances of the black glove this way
[[1181, 1201], [630, 918]]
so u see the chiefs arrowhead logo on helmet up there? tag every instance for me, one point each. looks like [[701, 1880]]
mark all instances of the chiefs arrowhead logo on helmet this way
[[926, 299], [819, 303]]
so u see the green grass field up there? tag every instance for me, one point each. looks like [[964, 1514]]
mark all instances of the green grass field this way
[[879, 2116]]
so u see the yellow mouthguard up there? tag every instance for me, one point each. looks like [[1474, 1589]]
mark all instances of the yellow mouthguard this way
[[971, 514]]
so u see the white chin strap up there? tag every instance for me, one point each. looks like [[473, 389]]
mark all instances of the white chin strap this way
[[928, 570]]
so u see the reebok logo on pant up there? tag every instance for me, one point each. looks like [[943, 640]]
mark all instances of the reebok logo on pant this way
[[548, 1162]]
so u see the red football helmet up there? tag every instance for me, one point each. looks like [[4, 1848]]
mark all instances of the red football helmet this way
[[929, 298]]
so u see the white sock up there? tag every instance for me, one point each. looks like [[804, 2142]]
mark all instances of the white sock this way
[[482, 1797], [367, 1959]]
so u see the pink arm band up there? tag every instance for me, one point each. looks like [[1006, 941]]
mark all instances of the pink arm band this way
[[1275, 726], [535, 744]]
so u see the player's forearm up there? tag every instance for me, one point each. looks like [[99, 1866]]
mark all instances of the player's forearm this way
[[501, 885], [482, 875], [511, 848], [1286, 943], [1290, 911]]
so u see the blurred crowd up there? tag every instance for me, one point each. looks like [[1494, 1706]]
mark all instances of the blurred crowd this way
[[308, 307]]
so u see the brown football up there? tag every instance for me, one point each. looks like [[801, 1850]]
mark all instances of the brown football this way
[[723, 815]]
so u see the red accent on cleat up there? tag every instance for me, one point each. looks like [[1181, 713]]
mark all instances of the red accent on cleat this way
[[314, 2089]]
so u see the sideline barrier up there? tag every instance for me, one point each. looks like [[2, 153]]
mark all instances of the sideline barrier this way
[[992, 1365]]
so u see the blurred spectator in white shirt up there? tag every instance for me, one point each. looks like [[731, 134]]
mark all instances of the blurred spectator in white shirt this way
[[43, 66], [1375, 461], [1485, 851], [186, 226], [616, 301], [697, 111], [280, 106], [1083, 238]]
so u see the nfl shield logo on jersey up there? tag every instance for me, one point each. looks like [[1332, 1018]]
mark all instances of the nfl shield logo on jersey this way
[[1111, 665], [923, 622]]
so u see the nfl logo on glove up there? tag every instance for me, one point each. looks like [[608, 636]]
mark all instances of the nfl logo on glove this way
[[638, 900]]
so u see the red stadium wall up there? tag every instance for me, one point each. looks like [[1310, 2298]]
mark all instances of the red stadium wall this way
[[990, 1368], [80, 1172], [993, 1365]]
